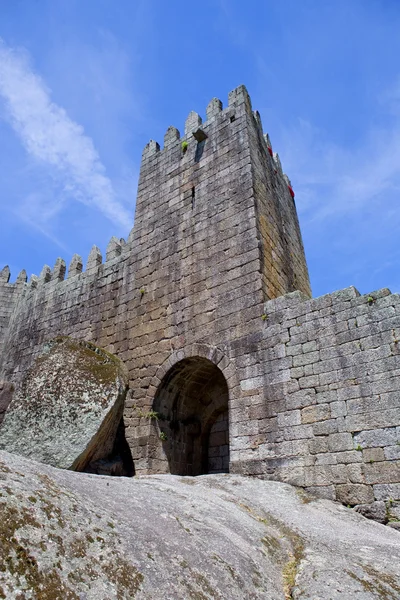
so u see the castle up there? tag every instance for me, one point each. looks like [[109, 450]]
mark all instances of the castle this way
[[208, 304]]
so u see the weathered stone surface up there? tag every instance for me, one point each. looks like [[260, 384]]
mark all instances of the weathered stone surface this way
[[68, 409], [6, 394], [375, 511], [66, 535], [393, 510], [354, 493]]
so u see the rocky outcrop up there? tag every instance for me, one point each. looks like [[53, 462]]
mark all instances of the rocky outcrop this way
[[68, 409], [78, 536]]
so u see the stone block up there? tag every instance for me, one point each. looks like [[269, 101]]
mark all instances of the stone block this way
[[300, 399], [393, 452], [318, 476], [309, 347], [289, 418], [338, 442], [393, 509], [353, 494], [312, 414], [338, 409], [371, 455], [375, 511], [387, 490], [328, 492], [373, 420], [318, 445], [300, 360], [376, 438], [347, 457], [297, 432], [382, 472], [327, 458], [325, 427], [355, 473]]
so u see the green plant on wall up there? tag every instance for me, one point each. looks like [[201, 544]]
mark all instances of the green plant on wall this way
[[163, 436], [184, 146], [152, 414]]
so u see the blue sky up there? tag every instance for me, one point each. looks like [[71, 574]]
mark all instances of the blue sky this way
[[84, 84]]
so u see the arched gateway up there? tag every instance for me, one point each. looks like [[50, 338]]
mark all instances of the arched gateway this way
[[193, 423]]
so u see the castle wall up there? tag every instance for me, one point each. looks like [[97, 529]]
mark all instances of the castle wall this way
[[85, 305], [9, 296], [6, 308], [323, 408], [9, 293], [284, 268]]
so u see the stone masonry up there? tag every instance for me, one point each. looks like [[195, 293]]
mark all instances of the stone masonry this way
[[208, 305]]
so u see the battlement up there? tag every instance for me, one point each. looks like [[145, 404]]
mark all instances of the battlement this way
[[207, 169], [196, 132], [116, 248]]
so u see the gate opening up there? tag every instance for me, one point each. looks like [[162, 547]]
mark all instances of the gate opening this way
[[193, 420]]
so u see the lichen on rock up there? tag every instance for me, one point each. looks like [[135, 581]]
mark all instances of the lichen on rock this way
[[68, 408], [66, 535]]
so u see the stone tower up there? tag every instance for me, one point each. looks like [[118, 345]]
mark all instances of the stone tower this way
[[216, 235]]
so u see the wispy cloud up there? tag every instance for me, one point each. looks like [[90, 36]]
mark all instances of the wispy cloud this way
[[348, 178], [51, 137]]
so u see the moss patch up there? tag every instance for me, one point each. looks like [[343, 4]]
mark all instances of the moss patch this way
[[385, 586], [50, 552], [289, 560], [21, 564]]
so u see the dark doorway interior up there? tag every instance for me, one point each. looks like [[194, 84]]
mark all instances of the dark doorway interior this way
[[192, 425]]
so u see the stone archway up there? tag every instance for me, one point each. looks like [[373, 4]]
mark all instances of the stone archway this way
[[192, 428]]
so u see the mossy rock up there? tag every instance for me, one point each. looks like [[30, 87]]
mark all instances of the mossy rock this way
[[67, 410]]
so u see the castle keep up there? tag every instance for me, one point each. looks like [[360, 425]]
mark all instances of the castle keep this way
[[208, 305]]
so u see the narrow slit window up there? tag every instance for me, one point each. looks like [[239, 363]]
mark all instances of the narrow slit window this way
[[193, 197]]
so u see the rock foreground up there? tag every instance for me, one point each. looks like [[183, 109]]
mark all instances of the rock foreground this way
[[77, 536], [68, 408]]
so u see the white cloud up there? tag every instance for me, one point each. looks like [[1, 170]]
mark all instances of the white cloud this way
[[330, 180], [51, 137]]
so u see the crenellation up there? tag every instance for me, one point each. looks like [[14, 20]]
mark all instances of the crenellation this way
[[5, 274], [75, 266], [268, 143], [45, 274], [192, 122], [150, 149], [22, 277], [214, 108], [278, 163], [59, 270], [257, 119], [171, 136], [94, 260], [239, 96], [33, 281], [114, 248]]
